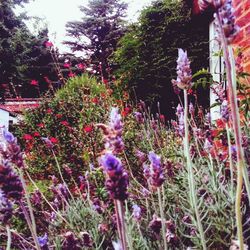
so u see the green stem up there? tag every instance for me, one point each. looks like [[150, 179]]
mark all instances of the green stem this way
[[232, 95], [8, 247], [31, 214], [121, 223], [162, 219], [191, 174]]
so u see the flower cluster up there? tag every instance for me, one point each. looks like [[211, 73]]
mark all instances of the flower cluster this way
[[113, 132], [184, 74], [117, 178], [10, 150], [156, 178]]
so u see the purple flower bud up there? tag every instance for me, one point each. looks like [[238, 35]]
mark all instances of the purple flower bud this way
[[140, 156], [5, 208], [156, 172], [207, 146], [10, 182], [9, 137], [115, 120], [117, 178], [155, 224], [226, 13], [86, 239], [224, 111], [70, 242], [136, 212], [213, 4], [43, 240], [139, 117], [184, 74]]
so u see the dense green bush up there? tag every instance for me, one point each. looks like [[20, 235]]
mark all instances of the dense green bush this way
[[147, 54]]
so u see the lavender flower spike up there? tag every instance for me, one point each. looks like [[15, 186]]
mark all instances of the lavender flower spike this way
[[117, 178], [226, 13], [156, 171], [184, 74]]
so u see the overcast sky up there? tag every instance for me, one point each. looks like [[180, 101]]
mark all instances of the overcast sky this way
[[58, 12]]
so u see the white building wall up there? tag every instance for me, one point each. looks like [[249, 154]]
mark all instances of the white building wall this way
[[4, 119], [216, 67]]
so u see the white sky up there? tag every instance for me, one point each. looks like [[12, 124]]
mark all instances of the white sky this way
[[57, 13]]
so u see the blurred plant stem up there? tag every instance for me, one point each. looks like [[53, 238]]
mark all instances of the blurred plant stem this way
[[29, 216], [191, 179], [121, 227], [8, 247], [162, 218]]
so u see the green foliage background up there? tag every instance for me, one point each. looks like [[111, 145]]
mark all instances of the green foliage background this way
[[147, 54]]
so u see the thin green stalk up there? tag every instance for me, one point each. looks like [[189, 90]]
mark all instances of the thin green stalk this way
[[230, 163], [60, 173], [231, 81], [191, 174], [121, 223], [8, 247], [162, 219], [31, 214]]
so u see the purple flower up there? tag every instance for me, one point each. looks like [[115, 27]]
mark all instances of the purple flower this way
[[70, 242], [86, 239], [9, 137], [139, 117], [113, 132], [155, 224], [224, 111], [184, 74], [226, 13], [213, 4], [11, 151], [43, 240], [156, 172], [10, 182], [115, 120], [136, 212], [5, 208], [117, 178]]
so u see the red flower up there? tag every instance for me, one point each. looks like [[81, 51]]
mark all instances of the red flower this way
[[34, 83], [80, 66], [53, 140], [105, 81], [27, 137], [41, 125], [162, 118], [48, 44], [49, 111], [95, 100], [36, 134], [66, 65], [59, 116], [65, 123], [71, 74], [88, 128]]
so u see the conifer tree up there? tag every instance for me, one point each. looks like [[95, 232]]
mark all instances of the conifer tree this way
[[97, 33]]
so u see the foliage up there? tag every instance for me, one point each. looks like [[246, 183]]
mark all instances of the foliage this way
[[98, 32], [147, 53]]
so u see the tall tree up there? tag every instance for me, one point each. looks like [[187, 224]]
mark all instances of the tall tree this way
[[98, 32], [23, 56], [147, 54]]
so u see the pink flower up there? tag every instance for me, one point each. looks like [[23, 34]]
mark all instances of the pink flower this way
[[53, 140], [80, 66], [66, 65], [88, 128], [36, 134], [34, 82], [71, 74], [27, 137], [65, 123], [48, 44]]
